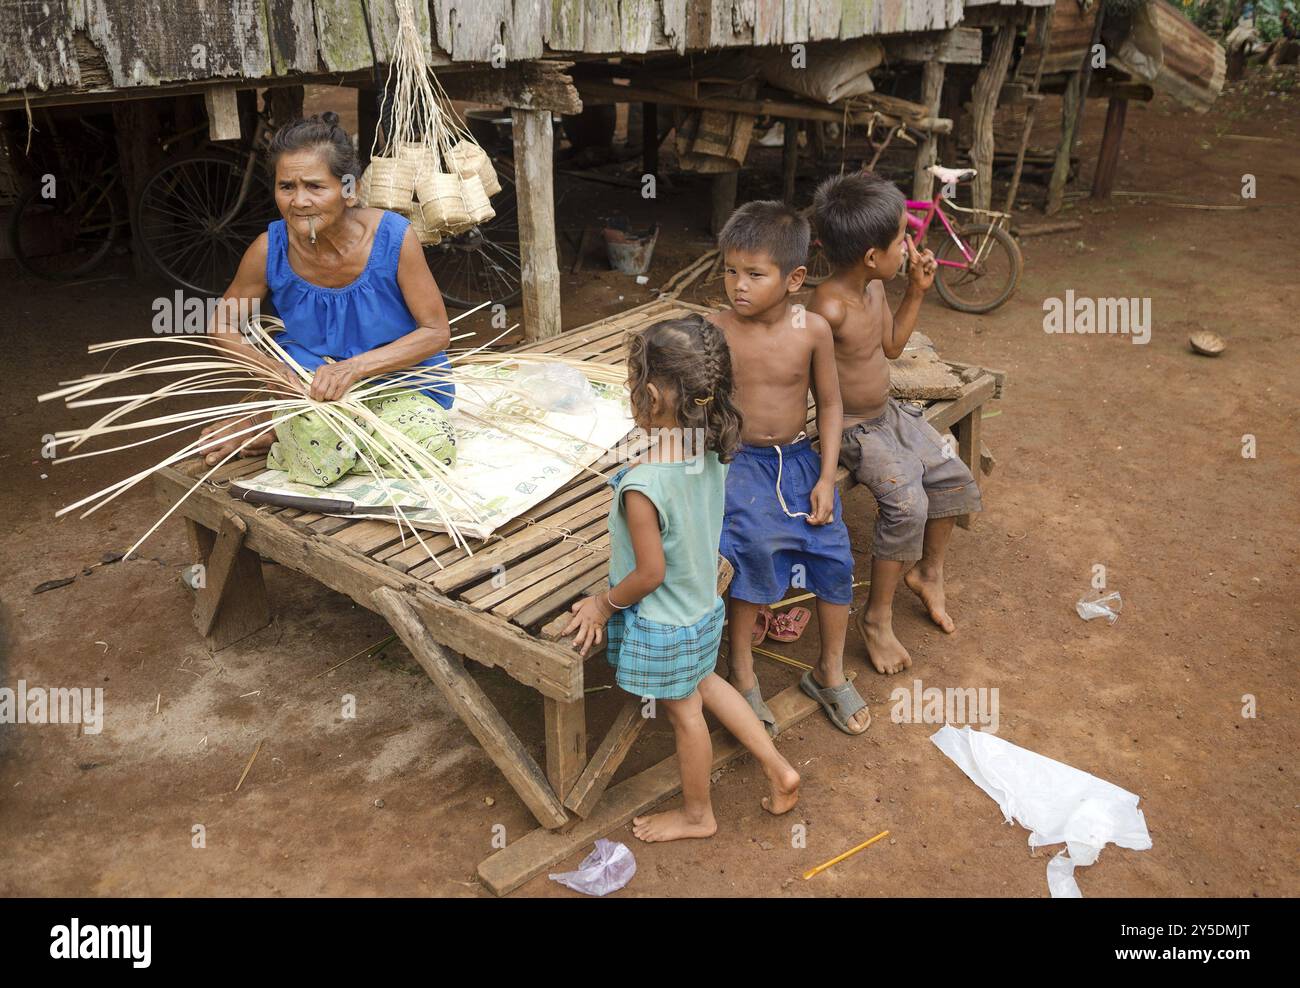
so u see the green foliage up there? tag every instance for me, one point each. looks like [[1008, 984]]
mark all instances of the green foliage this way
[[1217, 17]]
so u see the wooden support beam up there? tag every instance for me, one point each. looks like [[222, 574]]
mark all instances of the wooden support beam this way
[[723, 189], [959, 45], [1044, 21], [789, 159], [1103, 180], [968, 431], [1072, 103], [566, 742], [927, 151], [474, 708], [222, 105], [231, 602], [650, 139], [536, 85], [534, 183], [984, 102], [537, 851], [613, 749]]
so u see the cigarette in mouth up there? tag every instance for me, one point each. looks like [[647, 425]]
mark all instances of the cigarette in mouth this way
[[311, 223]]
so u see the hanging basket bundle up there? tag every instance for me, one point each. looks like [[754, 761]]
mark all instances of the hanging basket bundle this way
[[429, 167]]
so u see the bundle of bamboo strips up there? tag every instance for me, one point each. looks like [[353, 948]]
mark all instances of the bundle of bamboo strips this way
[[272, 389]]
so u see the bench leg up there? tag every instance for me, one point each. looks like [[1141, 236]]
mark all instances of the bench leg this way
[[591, 785], [566, 742], [474, 708], [968, 448], [231, 602]]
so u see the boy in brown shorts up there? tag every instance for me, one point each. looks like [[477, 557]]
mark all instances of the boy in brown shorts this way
[[919, 483]]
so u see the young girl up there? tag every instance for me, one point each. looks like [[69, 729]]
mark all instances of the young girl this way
[[662, 609]]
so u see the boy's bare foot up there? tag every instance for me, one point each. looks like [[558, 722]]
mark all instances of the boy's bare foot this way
[[672, 825], [886, 652], [930, 590], [785, 791]]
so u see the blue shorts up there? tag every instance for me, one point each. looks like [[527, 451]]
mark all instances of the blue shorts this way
[[769, 550]]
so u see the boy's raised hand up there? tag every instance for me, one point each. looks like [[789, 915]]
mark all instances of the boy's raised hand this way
[[921, 266]]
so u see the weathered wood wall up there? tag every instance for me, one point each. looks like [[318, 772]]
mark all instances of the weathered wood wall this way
[[127, 44]]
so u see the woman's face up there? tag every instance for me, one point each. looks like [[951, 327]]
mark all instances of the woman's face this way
[[306, 190]]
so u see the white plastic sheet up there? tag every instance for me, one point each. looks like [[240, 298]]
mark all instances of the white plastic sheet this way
[[606, 869], [1054, 801]]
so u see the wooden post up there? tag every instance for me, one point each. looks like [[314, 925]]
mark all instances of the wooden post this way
[[231, 603], [1031, 111], [789, 159], [724, 199], [650, 139], [534, 184], [984, 102], [135, 123], [286, 104], [566, 743], [931, 96], [968, 449], [950, 108], [1103, 179], [1076, 92], [222, 104]]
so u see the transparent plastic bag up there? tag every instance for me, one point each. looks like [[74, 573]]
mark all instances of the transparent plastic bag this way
[[1107, 606], [606, 869], [557, 388]]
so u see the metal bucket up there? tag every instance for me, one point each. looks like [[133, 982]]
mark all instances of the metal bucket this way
[[630, 252]]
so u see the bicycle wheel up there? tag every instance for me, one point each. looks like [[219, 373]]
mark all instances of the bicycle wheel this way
[[179, 215], [819, 267], [991, 281], [68, 235], [482, 264]]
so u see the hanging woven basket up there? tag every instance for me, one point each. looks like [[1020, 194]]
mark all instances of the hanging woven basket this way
[[426, 234], [442, 202], [390, 183], [470, 159]]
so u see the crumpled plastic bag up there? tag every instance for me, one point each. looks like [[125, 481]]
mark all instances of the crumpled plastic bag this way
[[557, 388], [1107, 606], [1056, 802], [606, 869]]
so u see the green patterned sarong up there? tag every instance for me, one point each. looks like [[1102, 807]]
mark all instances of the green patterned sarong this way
[[313, 453]]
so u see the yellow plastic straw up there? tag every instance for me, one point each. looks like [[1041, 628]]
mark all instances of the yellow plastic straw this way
[[780, 658], [808, 596], [847, 854]]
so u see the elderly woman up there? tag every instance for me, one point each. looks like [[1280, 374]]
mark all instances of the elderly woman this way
[[356, 297]]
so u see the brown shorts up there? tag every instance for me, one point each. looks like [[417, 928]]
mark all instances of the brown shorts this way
[[913, 475]]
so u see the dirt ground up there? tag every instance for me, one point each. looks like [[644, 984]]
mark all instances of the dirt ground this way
[[1107, 452]]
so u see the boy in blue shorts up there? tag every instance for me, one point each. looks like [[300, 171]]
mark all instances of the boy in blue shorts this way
[[783, 522]]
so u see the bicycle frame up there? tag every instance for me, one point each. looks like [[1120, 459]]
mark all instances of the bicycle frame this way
[[920, 225]]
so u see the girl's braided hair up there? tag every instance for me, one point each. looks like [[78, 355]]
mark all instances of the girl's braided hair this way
[[690, 356]]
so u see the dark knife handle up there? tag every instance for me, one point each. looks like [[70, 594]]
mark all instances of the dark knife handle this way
[[320, 505]]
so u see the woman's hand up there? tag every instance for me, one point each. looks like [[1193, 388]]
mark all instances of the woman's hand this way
[[256, 443], [330, 382], [590, 615]]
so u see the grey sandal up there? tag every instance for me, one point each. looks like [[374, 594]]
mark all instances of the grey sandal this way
[[755, 700], [840, 702]]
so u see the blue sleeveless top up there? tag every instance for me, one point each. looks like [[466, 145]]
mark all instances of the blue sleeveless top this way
[[343, 322]]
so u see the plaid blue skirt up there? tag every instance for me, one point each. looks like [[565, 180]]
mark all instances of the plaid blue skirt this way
[[665, 661]]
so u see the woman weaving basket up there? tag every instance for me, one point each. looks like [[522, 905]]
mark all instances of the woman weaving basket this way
[[357, 299]]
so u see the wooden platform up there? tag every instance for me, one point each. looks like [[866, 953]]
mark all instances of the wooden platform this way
[[459, 606]]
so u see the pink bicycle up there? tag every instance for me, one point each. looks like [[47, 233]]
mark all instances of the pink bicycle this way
[[979, 263]]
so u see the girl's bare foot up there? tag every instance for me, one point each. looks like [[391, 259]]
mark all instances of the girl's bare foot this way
[[785, 791], [672, 825], [886, 652], [930, 589]]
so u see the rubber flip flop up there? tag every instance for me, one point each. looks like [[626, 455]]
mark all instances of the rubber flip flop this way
[[762, 621], [788, 625]]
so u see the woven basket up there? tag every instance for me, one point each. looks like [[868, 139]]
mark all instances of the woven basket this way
[[390, 183], [442, 202], [470, 159], [476, 200], [426, 234]]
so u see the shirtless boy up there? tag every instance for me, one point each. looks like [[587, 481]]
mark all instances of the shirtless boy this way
[[783, 523], [920, 485]]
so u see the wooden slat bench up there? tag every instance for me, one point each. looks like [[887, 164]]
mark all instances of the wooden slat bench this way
[[459, 606]]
